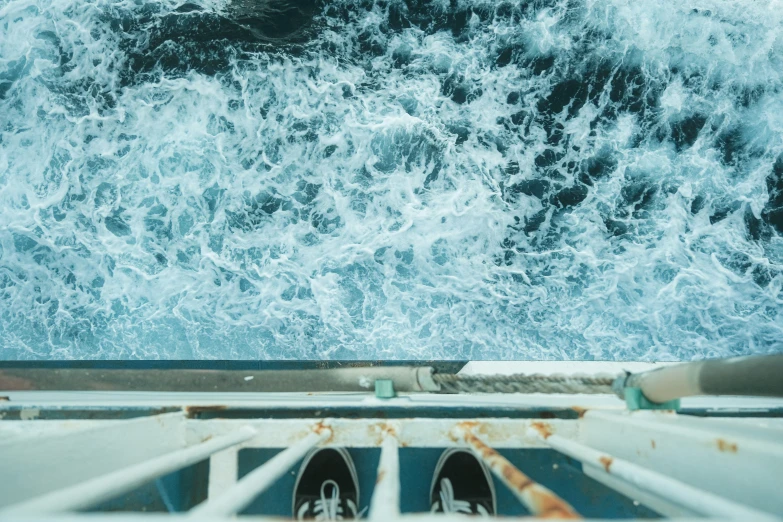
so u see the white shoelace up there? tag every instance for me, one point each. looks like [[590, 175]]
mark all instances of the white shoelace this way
[[450, 504], [328, 508]]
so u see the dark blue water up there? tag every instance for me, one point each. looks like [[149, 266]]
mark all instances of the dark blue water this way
[[583, 179]]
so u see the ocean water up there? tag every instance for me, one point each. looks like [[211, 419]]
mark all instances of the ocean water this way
[[258, 179]]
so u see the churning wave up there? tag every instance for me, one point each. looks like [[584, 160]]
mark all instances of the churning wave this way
[[541, 179]]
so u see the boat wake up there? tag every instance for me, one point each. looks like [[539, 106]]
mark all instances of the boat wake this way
[[541, 179]]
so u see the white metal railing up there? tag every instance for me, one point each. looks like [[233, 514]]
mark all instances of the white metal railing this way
[[241, 494], [643, 463]]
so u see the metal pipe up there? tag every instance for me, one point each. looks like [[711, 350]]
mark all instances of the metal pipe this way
[[760, 376], [105, 487], [673, 490], [386, 497], [241, 494], [537, 499], [405, 378]]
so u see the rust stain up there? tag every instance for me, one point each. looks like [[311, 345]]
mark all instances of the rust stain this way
[[319, 429], [652, 444], [376, 432], [550, 506], [543, 429], [518, 480], [389, 430], [465, 426], [194, 411], [579, 410], [724, 445], [381, 474], [379, 431], [541, 501], [606, 462]]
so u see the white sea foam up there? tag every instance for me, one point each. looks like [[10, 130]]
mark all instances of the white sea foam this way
[[472, 179]]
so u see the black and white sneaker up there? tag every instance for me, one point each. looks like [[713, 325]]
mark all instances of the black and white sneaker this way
[[326, 487], [462, 484]]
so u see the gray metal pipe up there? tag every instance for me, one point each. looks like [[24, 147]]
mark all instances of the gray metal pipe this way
[[758, 376], [405, 378]]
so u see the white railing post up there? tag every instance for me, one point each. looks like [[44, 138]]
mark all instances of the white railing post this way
[[223, 471], [385, 504]]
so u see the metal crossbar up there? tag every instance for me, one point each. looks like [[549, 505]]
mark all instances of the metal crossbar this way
[[646, 455]]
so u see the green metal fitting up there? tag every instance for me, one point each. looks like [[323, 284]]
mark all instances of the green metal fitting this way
[[635, 400], [384, 389]]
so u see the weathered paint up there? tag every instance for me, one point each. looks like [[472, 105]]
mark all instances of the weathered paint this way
[[696, 500], [369, 433], [538, 499], [323, 428], [193, 412], [580, 410], [712, 465], [543, 429], [724, 445], [620, 434]]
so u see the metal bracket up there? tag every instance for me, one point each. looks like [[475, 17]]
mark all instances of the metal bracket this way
[[384, 389], [635, 400]]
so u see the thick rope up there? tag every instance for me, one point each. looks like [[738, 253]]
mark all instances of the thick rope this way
[[520, 383]]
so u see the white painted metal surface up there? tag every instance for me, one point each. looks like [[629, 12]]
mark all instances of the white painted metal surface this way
[[223, 471], [694, 499], [35, 402], [81, 451], [104, 487], [737, 459], [386, 499], [367, 433]]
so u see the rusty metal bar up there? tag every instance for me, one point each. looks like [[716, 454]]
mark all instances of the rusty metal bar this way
[[539, 500], [239, 496], [104, 487], [386, 498], [695, 499]]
